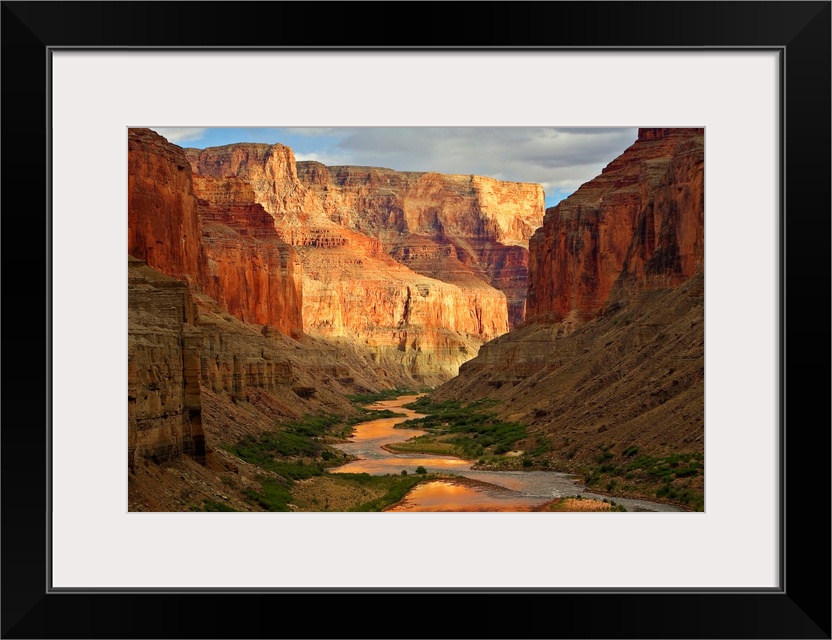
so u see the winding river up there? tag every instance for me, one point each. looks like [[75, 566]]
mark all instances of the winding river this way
[[490, 491]]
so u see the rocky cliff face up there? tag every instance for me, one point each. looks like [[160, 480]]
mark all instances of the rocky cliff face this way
[[212, 235], [633, 377], [200, 379], [163, 395], [424, 326], [163, 228], [245, 265], [217, 351], [271, 173], [414, 267], [640, 224], [452, 227], [214, 340], [611, 359]]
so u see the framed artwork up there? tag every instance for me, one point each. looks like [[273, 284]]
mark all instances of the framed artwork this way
[[753, 76]]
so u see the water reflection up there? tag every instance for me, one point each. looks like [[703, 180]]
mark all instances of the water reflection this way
[[489, 491], [445, 495]]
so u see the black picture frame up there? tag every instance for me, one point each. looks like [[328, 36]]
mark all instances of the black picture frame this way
[[800, 608]]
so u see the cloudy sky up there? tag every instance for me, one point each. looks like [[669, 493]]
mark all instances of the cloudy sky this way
[[561, 159]]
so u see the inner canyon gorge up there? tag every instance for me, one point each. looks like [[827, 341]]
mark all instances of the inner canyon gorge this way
[[314, 337]]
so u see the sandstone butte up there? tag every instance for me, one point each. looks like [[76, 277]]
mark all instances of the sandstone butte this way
[[285, 300], [612, 351]]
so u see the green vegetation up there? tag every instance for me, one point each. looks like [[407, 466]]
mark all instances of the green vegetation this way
[[666, 468], [386, 394], [273, 496], [300, 449], [683, 495], [541, 447], [426, 405], [468, 431], [370, 414], [672, 474], [614, 506], [424, 444], [212, 505], [397, 487], [296, 451]]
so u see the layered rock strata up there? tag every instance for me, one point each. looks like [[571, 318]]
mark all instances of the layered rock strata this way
[[211, 235], [613, 347], [236, 353], [162, 224], [192, 365], [640, 224], [414, 267], [194, 370], [425, 326], [245, 265], [633, 377], [163, 362], [254, 377], [456, 228]]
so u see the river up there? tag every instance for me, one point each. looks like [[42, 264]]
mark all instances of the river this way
[[491, 491]]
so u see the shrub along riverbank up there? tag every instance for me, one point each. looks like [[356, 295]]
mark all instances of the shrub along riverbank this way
[[469, 431], [300, 451], [473, 431]]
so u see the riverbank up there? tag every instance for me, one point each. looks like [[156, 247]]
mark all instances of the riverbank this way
[[473, 433], [402, 445], [580, 504]]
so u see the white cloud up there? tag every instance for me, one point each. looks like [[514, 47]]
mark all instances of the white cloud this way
[[180, 134], [543, 155], [329, 159], [561, 159]]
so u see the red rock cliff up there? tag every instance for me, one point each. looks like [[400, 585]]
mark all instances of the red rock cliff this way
[[640, 224], [452, 227], [612, 363], [406, 264], [211, 234], [246, 267], [271, 172], [162, 225]]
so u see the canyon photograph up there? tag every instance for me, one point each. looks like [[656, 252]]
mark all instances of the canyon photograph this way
[[416, 319]]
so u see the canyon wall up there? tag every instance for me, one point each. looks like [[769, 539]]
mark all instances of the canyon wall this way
[[612, 351], [216, 343], [640, 224], [163, 362], [196, 243], [211, 235], [246, 267], [456, 228], [200, 380], [162, 224], [413, 267]]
